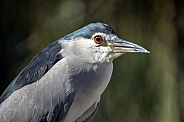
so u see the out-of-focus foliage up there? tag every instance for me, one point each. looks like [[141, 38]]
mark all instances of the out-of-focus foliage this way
[[144, 87]]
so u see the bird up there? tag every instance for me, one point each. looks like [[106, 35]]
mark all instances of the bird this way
[[64, 82]]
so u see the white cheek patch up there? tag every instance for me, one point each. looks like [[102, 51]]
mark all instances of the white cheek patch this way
[[84, 43], [103, 56], [105, 49]]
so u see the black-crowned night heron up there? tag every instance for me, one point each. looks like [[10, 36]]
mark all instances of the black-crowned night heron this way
[[64, 82]]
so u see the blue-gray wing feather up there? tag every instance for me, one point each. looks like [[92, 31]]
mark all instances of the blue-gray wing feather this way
[[40, 64], [34, 71]]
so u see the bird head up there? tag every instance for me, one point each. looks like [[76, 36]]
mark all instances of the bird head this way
[[97, 42]]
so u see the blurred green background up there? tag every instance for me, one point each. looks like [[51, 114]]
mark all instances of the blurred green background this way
[[144, 87]]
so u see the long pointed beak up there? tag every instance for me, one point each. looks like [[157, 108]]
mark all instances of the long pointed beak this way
[[122, 46]]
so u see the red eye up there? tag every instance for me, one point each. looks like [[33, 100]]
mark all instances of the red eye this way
[[98, 39]]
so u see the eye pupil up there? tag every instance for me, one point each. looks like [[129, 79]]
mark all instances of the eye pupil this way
[[98, 39]]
